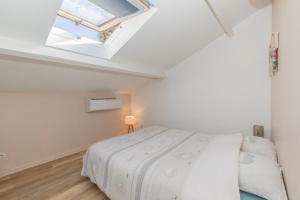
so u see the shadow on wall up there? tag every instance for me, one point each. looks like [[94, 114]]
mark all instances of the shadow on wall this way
[[260, 3]]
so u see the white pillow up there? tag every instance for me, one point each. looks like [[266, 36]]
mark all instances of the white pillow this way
[[259, 146], [261, 176]]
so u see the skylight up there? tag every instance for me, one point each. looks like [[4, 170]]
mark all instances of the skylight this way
[[96, 17], [93, 22]]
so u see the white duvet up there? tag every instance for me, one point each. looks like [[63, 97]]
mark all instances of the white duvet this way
[[158, 163]]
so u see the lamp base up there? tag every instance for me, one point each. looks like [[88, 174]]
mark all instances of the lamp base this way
[[130, 128]]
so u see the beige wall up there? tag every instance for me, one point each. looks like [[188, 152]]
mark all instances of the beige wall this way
[[35, 127], [286, 92]]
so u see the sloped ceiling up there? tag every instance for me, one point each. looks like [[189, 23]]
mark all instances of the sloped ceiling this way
[[180, 28], [177, 30], [28, 20]]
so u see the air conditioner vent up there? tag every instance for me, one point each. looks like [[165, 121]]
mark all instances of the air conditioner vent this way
[[99, 104]]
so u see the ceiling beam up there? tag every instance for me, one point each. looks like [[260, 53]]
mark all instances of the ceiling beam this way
[[32, 51], [226, 28]]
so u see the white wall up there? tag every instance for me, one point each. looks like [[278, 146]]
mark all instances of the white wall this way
[[222, 88], [286, 93]]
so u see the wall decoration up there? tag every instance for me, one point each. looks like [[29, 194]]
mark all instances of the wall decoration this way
[[273, 54]]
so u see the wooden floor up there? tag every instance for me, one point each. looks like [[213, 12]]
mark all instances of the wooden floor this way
[[57, 180]]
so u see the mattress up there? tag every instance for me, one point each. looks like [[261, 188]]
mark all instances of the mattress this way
[[247, 196]]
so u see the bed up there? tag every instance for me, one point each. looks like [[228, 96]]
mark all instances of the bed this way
[[158, 163]]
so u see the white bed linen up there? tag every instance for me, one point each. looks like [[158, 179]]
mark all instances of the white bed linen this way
[[261, 176], [158, 163]]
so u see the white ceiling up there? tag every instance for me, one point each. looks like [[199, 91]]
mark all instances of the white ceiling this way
[[181, 27], [177, 30], [28, 20]]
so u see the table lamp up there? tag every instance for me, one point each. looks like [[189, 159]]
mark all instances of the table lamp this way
[[130, 120]]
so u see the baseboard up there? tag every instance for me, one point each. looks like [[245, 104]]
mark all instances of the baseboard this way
[[42, 161]]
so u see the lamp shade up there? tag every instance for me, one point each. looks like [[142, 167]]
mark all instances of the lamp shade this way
[[130, 120]]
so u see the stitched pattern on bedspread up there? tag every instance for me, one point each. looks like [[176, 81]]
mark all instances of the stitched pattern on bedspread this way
[[171, 171], [96, 157], [144, 169], [123, 149], [126, 166]]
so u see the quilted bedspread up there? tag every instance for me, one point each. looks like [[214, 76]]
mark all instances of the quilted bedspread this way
[[158, 163]]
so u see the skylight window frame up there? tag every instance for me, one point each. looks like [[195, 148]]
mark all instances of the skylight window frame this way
[[106, 49], [110, 23]]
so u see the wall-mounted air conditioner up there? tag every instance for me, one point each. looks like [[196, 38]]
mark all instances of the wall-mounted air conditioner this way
[[99, 104]]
